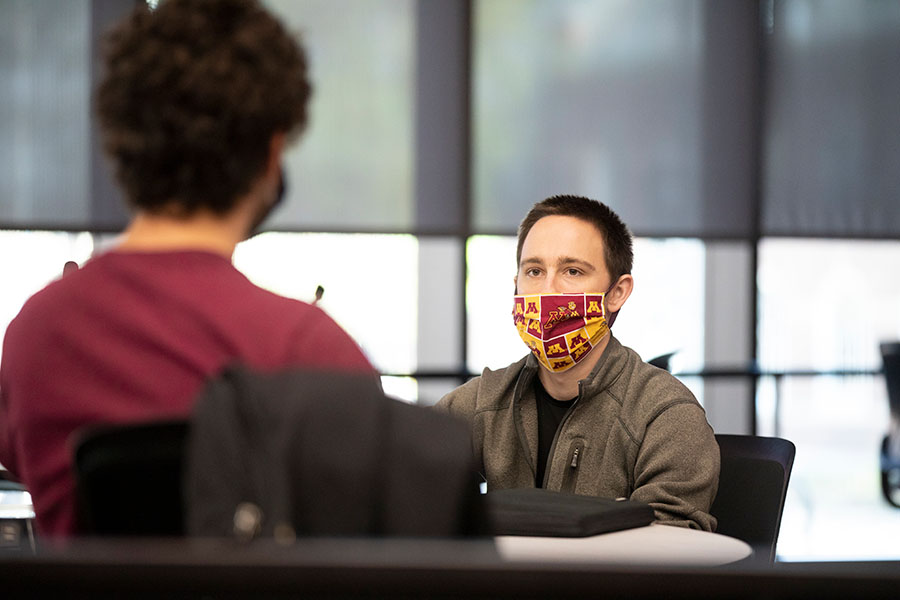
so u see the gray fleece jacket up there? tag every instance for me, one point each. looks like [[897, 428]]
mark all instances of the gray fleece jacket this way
[[634, 431]]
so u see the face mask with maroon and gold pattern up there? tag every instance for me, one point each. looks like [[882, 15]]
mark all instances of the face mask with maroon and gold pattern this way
[[560, 329]]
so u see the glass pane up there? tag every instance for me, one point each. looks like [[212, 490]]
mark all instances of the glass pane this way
[[664, 314], [826, 305], [370, 285], [352, 169], [279, 262], [832, 124], [401, 388], [45, 53], [440, 328], [31, 260], [492, 339], [834, 509], [601, 99]]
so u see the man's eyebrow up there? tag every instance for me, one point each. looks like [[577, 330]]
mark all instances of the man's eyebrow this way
[[531, 260], [570, 260]]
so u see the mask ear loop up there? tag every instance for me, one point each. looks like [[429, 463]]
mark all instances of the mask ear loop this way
[[612, 316]]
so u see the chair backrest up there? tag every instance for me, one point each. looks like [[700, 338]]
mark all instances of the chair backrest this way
[[890, 445], [313, 453], [663, 361], [753, 482], [327, 453], [890, 356], [128, 478]]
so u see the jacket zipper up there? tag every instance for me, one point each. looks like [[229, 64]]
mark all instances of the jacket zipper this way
[[571, 475], [562, 425]]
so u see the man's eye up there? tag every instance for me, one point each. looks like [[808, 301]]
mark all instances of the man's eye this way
[[533, 272], [573, 271]]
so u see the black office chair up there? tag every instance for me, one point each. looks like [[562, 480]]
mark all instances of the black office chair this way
[[890, 445], [316, 453], [753, 482], [663, 361], [129, 479]]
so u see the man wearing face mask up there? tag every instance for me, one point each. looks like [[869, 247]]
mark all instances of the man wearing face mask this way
[[198, 102], [582, 413]]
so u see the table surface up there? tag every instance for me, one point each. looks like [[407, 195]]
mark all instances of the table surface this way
[[654, 544], [388, 568]]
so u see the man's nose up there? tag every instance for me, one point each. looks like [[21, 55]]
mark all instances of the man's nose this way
[[550, 285]]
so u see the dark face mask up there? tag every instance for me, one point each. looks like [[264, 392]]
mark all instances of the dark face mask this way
[[266, 211]]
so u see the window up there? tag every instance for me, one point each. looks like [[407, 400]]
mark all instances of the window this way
[[602, 99], [29, 260], [353, 169], [826, 305], [664, 313], [369, 281]]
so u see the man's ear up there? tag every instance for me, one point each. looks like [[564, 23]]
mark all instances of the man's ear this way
[[276, 150], [619, 293], [515, 285]]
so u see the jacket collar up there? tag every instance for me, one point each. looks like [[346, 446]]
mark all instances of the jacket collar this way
[[601, 377]]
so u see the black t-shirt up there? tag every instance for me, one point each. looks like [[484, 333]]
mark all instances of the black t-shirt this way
[[550, 414]]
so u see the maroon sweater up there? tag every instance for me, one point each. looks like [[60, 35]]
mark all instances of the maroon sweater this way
[[133, 336]]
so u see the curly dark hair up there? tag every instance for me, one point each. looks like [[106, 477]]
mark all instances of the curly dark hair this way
[[617, 240], [192, 94]]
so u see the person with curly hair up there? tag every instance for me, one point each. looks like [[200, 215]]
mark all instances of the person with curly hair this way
[[199, 100]]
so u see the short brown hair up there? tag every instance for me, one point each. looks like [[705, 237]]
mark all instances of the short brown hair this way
[[617, 239], [192, 94]]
